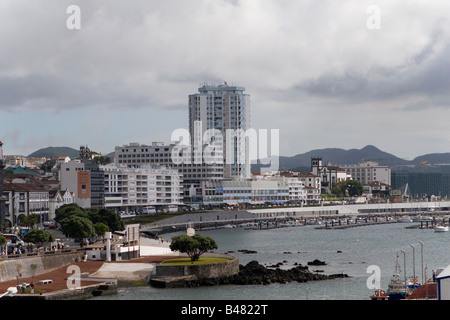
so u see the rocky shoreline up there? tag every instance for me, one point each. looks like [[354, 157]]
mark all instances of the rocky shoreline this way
[[253, 273]]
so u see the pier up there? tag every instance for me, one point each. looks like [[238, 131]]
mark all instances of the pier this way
[[352, 224], [378, 211]]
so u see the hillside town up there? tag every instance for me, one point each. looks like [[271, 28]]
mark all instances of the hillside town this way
[[144, 188], [147, 178]]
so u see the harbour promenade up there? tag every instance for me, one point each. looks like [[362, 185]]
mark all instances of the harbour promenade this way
[[54, 284], [154, 251], [214, 219]]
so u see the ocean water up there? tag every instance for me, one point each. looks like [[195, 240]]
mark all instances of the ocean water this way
[[350, 251]]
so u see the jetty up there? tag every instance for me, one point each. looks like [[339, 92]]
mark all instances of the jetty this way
[[347, 224], [259, 217]]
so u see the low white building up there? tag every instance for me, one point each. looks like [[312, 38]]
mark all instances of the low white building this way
[[255, 191], [267, 188], [132, 189]]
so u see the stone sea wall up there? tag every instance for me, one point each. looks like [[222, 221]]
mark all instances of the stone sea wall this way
[[251, 274], [222, 269], [11, 268]]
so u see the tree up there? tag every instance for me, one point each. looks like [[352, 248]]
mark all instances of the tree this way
[[194, 246], [354, 188], [338, 189], [77, 227], [39, 237], [350, 188], [33, 268], [102, 160], [100, 228], [68, 210], [31, 220], [2, 240], [108, 217]]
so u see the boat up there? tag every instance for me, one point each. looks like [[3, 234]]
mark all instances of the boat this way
[[422, 218], [313, 222], [379, 295], [405, 219], [440, 228], [398, 288]]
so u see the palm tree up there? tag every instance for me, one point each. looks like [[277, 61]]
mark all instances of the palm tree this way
[[18, 268], [33, 268]]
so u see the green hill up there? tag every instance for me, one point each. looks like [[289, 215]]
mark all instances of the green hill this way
[[51, 152]]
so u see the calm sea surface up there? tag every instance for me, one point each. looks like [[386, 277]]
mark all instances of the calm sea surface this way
[[349, 251]]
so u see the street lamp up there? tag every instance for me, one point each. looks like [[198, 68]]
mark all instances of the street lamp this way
[[404, 266], [421, 254], [414, 268]]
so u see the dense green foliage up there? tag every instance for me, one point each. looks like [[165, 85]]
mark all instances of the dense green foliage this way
[[2, 240], [194, 246], [80, 223], [39, 237], [78, 227], [100, 228], [347, 188]]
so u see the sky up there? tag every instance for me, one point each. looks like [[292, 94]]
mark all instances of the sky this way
[[326, 74]]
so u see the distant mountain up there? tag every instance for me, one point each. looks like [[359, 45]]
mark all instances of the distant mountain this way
[[437, 162], [51, 152]]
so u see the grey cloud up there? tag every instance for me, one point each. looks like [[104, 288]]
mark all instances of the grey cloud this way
[[57, 93]]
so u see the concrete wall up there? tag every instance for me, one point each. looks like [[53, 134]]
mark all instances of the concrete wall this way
[[215, 270], [10, 268]]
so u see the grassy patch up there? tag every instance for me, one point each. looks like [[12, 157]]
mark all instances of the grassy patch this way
[[188, 262]]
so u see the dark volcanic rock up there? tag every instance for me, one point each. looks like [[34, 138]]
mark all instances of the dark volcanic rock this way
[[255, 274], [246, 251], [316, 263]]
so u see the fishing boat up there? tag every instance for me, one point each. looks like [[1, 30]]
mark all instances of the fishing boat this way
[[398, 288], [440, 228]]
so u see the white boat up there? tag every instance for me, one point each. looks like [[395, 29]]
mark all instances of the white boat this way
[[422, 218], [440, 228], [405, 219], [313, 222]]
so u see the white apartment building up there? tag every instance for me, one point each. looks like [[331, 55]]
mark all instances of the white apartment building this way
[[131, 189], [160, 154], [226, 109], [369, 171]]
